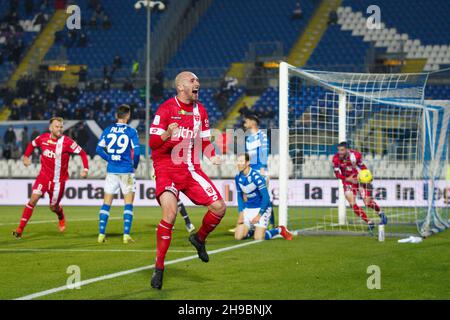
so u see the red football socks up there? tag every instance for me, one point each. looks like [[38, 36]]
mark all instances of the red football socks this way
[[26, 215], [374, 206], [60, 213], [163, 238], [209, 223], [360, 212]]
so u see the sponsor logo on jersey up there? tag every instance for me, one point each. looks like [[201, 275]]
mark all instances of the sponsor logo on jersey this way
[[116, 157], [49, 154], [51, 141], [184, 133], [175, 118], [185, 113]]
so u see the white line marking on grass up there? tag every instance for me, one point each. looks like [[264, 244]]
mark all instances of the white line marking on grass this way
[[127, 272], [84, 250], [56, 220]]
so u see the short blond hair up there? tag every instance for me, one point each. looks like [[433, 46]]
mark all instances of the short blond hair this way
[[60, 119]]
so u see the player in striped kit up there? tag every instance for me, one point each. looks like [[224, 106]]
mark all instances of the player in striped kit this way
[[56, 149], [257, 146], [255, 212]]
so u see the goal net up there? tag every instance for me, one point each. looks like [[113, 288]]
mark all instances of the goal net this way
[[402, 137]]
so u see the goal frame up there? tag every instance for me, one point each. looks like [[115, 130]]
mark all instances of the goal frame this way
[[432, 143], [284, 143]]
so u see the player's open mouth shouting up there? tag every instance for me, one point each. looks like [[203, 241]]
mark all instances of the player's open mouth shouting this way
[[195, 93]]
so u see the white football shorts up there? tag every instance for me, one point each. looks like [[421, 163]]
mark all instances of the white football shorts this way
[[250, 213], [124, 181]]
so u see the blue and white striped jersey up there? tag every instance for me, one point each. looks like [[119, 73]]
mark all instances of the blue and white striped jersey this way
[[257, 146], [119, 146], [253, 185]]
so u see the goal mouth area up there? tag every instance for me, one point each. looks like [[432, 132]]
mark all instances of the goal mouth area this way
[[402, 139], [325, 221]]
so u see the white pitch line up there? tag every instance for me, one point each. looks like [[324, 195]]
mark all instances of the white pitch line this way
[[130, 271], [55, 220], [85, 250]]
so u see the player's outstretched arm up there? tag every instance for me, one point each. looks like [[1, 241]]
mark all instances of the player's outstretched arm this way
[[85, 161], [76, 149], [27, 153]]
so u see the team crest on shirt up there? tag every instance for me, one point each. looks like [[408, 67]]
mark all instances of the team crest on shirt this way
[[209, 190], [197, 117], [249, 179]]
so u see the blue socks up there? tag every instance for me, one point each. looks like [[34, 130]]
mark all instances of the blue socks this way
[[103, 219], [269, 233], [127, 218], [272, 233]]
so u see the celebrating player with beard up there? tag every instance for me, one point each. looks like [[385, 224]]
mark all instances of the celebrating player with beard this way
[[56, 150]]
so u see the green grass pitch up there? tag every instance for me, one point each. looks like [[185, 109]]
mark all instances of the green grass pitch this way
[[309, 267]]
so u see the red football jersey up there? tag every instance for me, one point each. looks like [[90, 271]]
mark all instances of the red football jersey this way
[[55, 155], [182, 149], [348, 166]]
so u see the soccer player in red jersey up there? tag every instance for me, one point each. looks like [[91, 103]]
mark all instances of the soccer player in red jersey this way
[[56, 149], [180, 130], [346, 164]]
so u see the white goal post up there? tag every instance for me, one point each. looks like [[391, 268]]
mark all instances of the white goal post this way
[[403, 138]]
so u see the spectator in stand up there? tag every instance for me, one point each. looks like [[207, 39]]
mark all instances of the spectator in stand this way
[[135, 69], [93, 21], [297, 13], [82, 136], [106, 23], [44, 5], [40, 20], [117, 63], [332, 17], [128, 85], [29, 4], [106, 85], [244, 110], [34, 134], [82, 41], [71, 39], [9, 141], [24, 138], [82, 76]]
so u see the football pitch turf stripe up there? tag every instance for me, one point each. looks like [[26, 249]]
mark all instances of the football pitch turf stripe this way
[[130, 271]]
